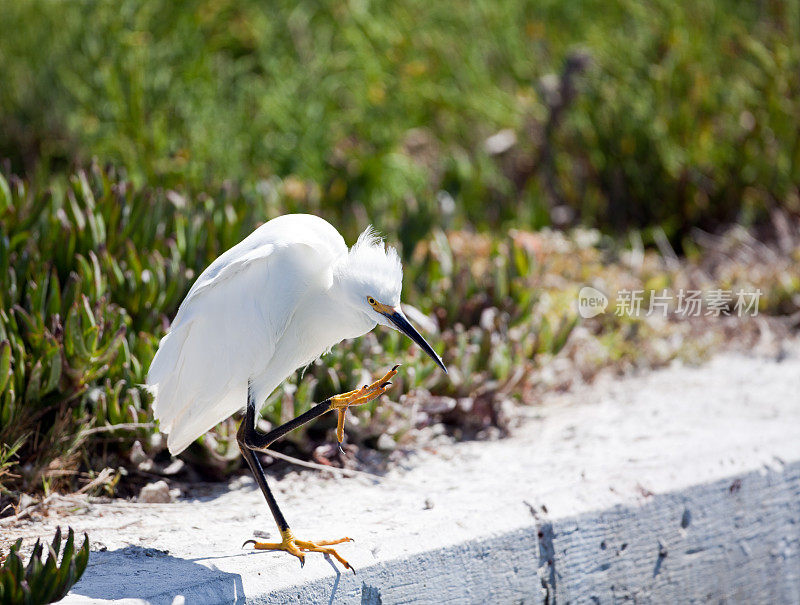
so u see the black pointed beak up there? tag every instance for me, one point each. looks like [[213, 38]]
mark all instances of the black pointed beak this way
[[404, 326]]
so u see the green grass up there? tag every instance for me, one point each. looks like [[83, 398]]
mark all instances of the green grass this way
[[686, 114]]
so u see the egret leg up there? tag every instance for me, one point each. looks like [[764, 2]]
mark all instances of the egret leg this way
[[251, 440]]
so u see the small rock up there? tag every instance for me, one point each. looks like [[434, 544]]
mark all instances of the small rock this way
[[137, 455], [500, 142], [25, 501], [490, 433], [175, 467], [155, 493], [488, 318], [157, 442], [386, 442], [439, 405]]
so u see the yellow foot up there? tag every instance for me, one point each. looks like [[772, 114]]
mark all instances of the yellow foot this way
[[297, 547], [368, 392]]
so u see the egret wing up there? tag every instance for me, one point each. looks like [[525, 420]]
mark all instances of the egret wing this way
[[227, 328]]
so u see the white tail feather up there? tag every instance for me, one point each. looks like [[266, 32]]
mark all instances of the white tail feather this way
[[189, 424], [193, 386]]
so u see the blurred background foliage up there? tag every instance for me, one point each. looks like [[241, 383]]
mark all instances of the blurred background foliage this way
[[514, 151], [614, 114]]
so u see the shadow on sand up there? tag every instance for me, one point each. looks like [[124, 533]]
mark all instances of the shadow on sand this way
[[152, 569]]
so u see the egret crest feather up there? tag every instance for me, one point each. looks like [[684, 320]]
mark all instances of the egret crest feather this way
[[372, 268]]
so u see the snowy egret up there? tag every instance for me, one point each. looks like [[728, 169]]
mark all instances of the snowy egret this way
[[274, 303]]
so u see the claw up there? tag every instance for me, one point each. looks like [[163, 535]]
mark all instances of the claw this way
[[246, 542], [340, 403], [298, 548]]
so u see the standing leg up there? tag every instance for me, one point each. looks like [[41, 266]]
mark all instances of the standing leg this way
[[251, 440]]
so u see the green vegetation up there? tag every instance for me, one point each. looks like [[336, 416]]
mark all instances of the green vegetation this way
[[152, 136], [38, 583], [685, 113], [91, 273]]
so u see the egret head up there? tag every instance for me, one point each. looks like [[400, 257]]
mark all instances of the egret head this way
[[372, 277]]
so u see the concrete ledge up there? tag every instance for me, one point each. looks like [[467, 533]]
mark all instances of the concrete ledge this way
[[735, 540], [679, 486]]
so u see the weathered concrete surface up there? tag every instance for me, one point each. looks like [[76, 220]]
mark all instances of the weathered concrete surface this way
[[736, 540], [679, 486]]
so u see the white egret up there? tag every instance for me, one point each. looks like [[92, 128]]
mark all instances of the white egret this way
[[273, 303]]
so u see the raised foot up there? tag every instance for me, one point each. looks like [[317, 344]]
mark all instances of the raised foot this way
[[297, 547], [368, 392]]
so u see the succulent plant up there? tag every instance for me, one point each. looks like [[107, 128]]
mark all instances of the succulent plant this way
[[92, 270], [42, 581]]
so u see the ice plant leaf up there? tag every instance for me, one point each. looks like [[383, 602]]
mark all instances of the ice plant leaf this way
[[38, 583]]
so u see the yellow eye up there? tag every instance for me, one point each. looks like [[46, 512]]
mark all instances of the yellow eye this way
[[371, 301]]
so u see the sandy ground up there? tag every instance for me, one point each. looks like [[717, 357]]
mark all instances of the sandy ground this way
[[620, 441]]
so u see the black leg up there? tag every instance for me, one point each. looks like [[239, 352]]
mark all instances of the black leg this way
[[250, 437], [261, 479], [250, 441]]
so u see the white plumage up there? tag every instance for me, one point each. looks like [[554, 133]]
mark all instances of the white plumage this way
[[271, 304]]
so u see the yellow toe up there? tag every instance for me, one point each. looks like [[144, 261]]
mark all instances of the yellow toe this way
[[296, 547]]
